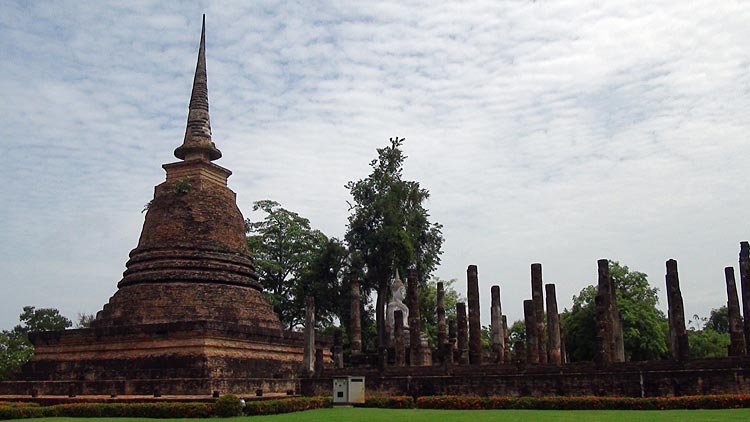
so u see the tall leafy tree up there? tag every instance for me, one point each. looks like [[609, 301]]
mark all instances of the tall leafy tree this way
[[644, 326], [718, 320], [285, 247], [323, 279], [389, 226]]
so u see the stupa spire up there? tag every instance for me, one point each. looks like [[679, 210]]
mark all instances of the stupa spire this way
[[197, 143]]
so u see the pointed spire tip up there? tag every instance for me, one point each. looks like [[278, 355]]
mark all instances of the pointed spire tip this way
[[197, 142]]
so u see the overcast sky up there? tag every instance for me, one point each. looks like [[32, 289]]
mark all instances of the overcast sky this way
[[552, 132]]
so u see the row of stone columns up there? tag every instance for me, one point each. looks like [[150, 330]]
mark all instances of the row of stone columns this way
[[543, 335], [460, 340]]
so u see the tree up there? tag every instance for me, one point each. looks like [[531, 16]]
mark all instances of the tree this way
[[707, 343], [323, 280], [516, 333], [85, 320], [428, 303], [719, 320], [284, 247], [15, 350], [15, 347], [44, 319], [644, 326], [390, 228], [709, 337]]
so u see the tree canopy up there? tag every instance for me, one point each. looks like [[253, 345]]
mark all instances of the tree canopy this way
[[294, 261], [15, 347], [389, 226], [709, 337], [644, 326], [428, 303]]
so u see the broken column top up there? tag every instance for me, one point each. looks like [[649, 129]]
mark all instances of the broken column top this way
[[671, 266], [744, 249]]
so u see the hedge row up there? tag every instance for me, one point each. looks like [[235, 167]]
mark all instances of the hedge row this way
[[273, 407], [270, 407], [393, 402], [109, 410], [155, 410], [585, 403]]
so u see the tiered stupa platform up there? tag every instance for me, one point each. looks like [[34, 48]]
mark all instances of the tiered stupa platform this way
[[189, 315]]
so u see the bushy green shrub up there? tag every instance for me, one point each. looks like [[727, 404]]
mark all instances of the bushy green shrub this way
[[274, 407], [727, 401], [109, 410], [393, 402], [20, 410], [227, 406]]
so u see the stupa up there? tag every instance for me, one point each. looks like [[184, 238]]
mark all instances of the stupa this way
[[189, 315]]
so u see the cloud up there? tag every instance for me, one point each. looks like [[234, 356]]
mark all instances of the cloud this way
[[553, 132]]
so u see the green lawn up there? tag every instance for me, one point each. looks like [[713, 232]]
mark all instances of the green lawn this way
[[425, 415]]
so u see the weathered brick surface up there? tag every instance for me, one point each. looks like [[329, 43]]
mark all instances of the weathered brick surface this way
[[159, 303], [177, 358], [648, 379]]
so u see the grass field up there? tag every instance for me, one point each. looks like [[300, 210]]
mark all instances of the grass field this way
[[425, 415]]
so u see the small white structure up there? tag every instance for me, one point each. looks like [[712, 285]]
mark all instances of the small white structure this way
[[348, 390]]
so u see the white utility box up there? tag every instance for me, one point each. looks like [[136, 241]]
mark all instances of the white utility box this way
[[348, 390]]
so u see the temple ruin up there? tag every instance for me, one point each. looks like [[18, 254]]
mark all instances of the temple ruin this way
[[189, 318]]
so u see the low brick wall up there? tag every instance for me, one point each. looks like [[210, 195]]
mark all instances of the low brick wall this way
[[637, 379]]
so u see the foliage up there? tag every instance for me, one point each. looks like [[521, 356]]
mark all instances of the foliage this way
[[585, 403], [109, 410], [517, 333], [719, 320], [15, 347], [227, 406], [269, 407], [297, 404], [643, 324], [389, 226], [15, 350], [428, 309], [709, 337], [323, 279], [44, 319], [85, 320], [222, 407], [284, 247], [707, 343], [182, 186], [389, 402]]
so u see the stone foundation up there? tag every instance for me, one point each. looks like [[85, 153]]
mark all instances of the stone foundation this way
[[183, 358]]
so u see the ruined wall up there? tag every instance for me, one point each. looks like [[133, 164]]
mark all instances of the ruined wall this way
[[642, 379]]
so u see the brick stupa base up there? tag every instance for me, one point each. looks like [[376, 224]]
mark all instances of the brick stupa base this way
[[180, 358]]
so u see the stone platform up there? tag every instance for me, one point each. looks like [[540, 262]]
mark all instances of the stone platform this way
[[181, 358]]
